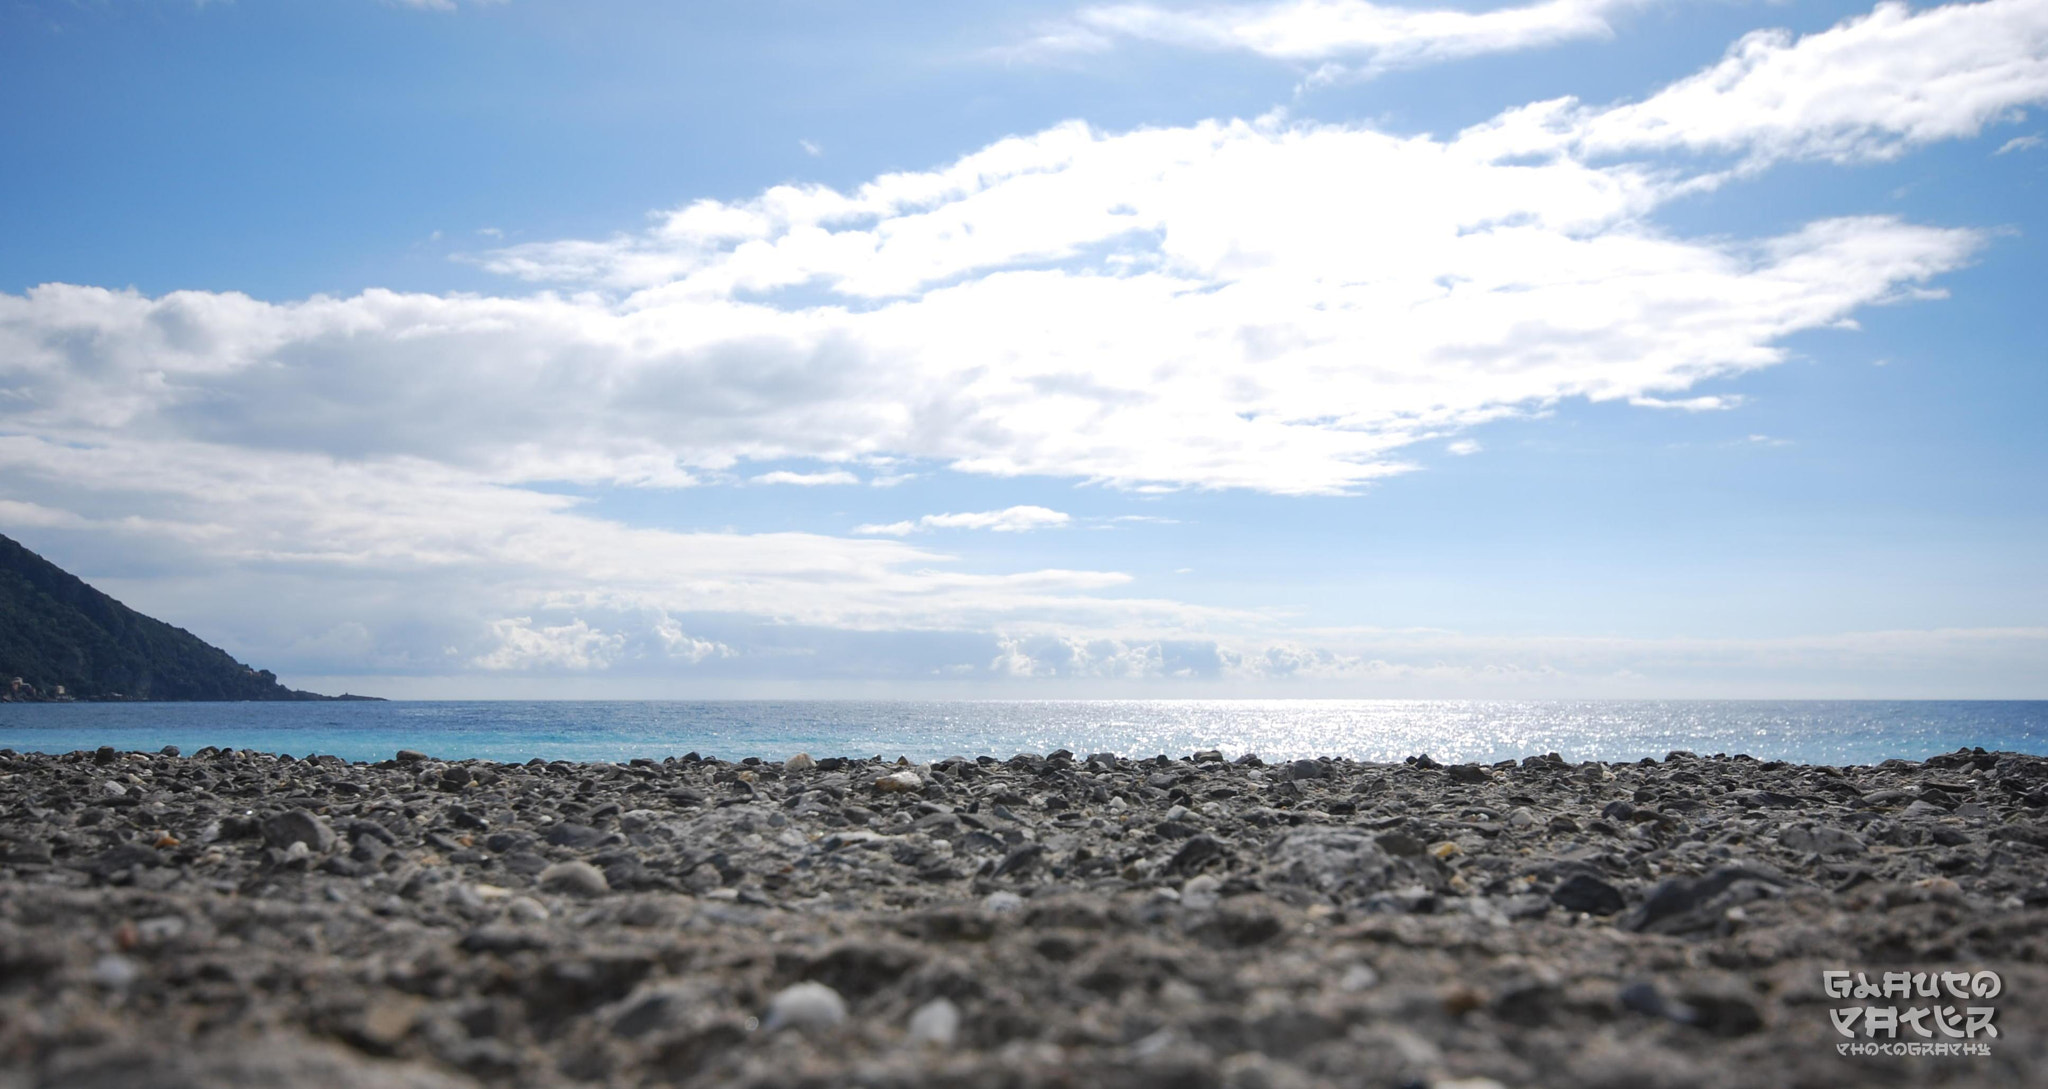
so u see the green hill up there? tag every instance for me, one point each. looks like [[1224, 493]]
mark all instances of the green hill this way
[[57, 631]]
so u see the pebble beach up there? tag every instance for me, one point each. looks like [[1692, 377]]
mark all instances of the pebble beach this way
[[234, 918]]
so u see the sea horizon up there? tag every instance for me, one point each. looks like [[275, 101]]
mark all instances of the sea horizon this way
[[1380, 729]]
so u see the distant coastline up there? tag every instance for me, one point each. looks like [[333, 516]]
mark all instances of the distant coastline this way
[[62, 641], [28, 694]]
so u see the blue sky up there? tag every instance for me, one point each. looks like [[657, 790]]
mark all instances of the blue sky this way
[[1581, 348]]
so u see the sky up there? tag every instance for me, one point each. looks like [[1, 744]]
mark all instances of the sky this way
[[1572, 348]]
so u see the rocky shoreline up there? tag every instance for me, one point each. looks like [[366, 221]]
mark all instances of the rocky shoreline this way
[[230, 918]]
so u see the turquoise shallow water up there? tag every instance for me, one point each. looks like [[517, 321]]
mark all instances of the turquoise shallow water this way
[[1833, 732]]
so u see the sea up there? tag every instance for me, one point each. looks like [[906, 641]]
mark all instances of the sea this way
[[1806, 731]]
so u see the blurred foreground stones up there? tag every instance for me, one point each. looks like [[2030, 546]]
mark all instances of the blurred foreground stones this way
[[239, 919]]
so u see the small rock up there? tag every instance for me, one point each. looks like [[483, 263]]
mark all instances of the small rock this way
[[526, 909], [1823, 839], [1002, 903], [298, 826], [409, 756], [1643, 997], [935, 1024], [576, 878], [638, 820], [902, 782], [115, 972], [1359, 977], [1589, 894], [386, 1023], [1468, 773], [805, 1007], [1201, 893], [571, 834], [1673, 902], [799, 763], [654, 1009]]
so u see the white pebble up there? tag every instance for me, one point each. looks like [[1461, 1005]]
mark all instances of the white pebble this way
[[1002, 903], [1359, 977], [935, 1023], [805, 1006], [903, 782], [115, 971], [580, 878], [800, 762], [526, 909]]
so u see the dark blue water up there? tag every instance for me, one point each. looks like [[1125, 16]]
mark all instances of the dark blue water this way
[[1832, 732]]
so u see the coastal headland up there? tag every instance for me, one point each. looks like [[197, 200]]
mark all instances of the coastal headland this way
[[233, 918]]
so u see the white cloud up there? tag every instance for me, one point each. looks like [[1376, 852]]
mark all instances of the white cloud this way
[[1704, 403], [1870, 88], [1464, 447], [572, 646], [811, 149], [1378, 35], [806, 480], [2019, 143], [1008, 520]]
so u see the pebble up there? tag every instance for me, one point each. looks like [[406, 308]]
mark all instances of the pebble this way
[[805, 1007], [899, 783], [1583, 892], [578, 878], [800, 763], [299, 826], [1359, 977], [1202, 893], [115, 972], [935, 1024], [526, 909]]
